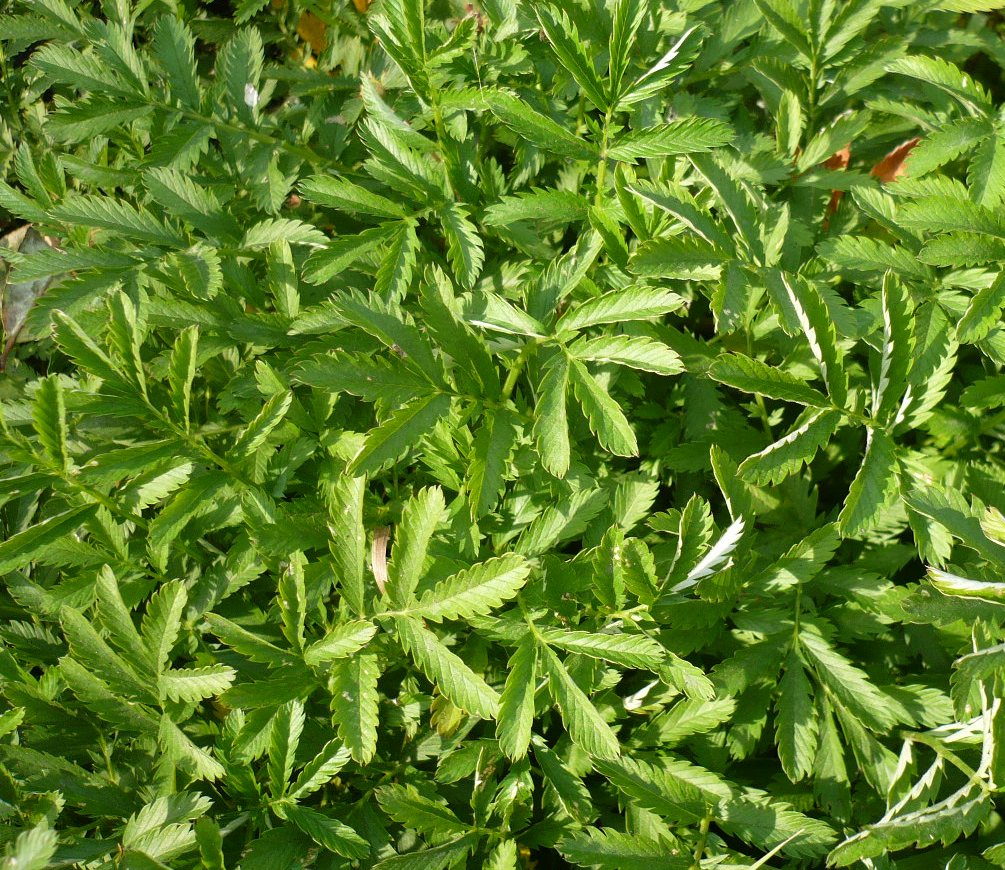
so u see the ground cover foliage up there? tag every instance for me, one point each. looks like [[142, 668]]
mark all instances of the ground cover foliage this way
[[502, 436]]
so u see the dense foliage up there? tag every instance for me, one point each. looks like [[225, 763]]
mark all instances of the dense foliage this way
[[502, 435]]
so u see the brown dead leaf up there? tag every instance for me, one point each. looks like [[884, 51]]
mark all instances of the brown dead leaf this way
[[891, 167], [378, 556], [18, 299], [361, 6], [838, 160]]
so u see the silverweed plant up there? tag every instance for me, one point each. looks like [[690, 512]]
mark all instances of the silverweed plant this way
[[502, 435]]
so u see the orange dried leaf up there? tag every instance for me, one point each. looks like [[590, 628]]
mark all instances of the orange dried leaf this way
[[891, 167], [839, 159], [312, 29], [361, 6]]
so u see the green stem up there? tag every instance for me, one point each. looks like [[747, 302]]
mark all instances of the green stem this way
[[514, 373], [699, 850], [602, 163]]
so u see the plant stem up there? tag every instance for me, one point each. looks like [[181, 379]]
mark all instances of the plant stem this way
[[699, 850], [514, 373]]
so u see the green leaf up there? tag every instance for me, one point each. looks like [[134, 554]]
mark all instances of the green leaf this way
[[673, 63], [452, 676], [464, 247], [635, 303], [354, 703], [767, 824], [22, 548], [542, 206], [539, 129], [192, 685], [344, 195], [817, 325], [174, 48], [284, 738], [420, 516], [118, 217], [872, 486], [753, 376], [584, 723], [787, 455], [637, 352], [394, 275], [407, 807], [399, 432], [435, 858], [681, 136], [325, 831], [898, 346], [983, 312], [488, 464], [320, 769], [344, 495], [571, 52], [341, 642], [795, 722], [182, 369], [32, 850], [551, 428], [516, 704], [946, 76], [670, 787], [785, 19], [48, 413], [618, 851], [849, 684], [290, 230], [475, 590], [607, 420]]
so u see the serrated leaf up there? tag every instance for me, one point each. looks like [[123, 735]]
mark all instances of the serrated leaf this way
[[452, 676], [584, 723], [464, 246], [192, 685], [405, 805], [681, 136], [551, 427], [420, 516], [476, 590], [333, 835], [539, 129], [399, 432], [635, 303], [753, 376], [637, 352], [354, 704], [571, 52], [516, 704], [607, 420], [795, 721], [872, 486], [284, 738], [344, 195], [342, 641], [612, 849]]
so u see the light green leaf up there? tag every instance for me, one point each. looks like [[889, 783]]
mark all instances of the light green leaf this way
[[447, 670], [516, 705], [354, 703], [582, 720], [607, 420], [476, 590]]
